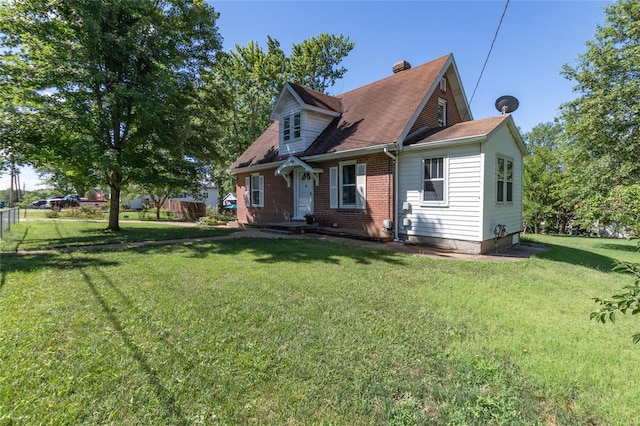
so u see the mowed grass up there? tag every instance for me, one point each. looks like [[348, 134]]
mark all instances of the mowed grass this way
[[277, 331], [59, 233]]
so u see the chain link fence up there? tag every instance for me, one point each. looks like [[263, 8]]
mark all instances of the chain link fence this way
[[7, 218]]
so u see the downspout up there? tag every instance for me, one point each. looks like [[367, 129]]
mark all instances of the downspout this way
[[395, 195]]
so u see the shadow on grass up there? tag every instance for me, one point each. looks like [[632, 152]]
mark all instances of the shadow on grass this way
[[274, 250], [574, 256], [164, 396], [619, 247], [70, 234], [12, 262]]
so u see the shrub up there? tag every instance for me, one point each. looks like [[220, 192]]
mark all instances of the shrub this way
[[84, 213]]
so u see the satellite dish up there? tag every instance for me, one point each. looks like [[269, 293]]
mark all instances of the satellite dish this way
[[506, 104]]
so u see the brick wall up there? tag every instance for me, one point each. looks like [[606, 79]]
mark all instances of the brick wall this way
[[429, 115], [279, 199], [379, 198]]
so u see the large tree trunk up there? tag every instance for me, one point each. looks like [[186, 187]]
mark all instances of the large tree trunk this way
[[114, 204]]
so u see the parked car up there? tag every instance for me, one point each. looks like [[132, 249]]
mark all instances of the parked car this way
[[73, 200], [50, 202], [38, 204]]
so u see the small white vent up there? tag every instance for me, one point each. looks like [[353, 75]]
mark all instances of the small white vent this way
[[443, 85]]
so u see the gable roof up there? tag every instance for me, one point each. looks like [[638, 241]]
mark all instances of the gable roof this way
[[308, 99], [317, 99], [377, 114], [466, 130]]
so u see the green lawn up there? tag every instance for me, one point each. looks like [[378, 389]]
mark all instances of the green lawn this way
[[283, 331], [57, 233]]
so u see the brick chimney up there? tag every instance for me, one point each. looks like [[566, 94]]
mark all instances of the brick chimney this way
[[401, 66]]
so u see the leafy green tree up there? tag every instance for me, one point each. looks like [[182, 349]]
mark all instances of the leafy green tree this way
[[254, 77], [315, 63], [603, 123], [547, 202], [166, 177], [103, 81]]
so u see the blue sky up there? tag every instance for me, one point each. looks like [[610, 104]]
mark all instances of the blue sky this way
[[536, 38]]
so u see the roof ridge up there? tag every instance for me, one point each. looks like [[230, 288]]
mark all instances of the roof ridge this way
[[315, 97], [401, 73]]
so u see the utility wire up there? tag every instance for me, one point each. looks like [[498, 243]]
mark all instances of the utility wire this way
[[490, 49]]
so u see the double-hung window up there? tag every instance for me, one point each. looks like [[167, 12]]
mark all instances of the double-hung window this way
[[504, 179], [286, 129], [254, 191], [348, 186], [434, 186], [291, 127]]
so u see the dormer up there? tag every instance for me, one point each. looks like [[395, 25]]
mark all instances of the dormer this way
[[302, 115]]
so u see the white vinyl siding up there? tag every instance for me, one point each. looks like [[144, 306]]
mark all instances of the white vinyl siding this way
[[502, 213], [298, 127], [348, 186], [460, 217]]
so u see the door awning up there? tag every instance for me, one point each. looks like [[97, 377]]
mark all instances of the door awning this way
[[295, 163]]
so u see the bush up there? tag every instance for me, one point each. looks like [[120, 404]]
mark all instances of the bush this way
[[84, 213], [208, 221]]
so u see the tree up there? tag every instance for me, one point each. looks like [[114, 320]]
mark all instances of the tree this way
[[254, 78], [603, 123], [109, 85], [545, 204], [315, 63], [167, 176]]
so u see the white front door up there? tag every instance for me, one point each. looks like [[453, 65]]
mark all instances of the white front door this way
[[303, 194]]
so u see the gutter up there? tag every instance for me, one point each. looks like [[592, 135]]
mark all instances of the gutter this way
[[447, 142], [312, 158]]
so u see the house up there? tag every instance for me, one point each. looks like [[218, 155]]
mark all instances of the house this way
[[208, 196], [399, 158], [229, 200]]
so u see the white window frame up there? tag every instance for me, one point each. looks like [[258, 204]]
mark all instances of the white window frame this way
[[442, 118], [502, 194], [286, 129], [292, 127], [444, 179], [343, 185], [336, 186], [250, 183]]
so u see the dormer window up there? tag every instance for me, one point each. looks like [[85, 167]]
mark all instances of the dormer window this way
[[291, 126]]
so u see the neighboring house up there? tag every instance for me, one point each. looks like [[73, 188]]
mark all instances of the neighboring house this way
[[229, 200], [341, 158], [209, 197]]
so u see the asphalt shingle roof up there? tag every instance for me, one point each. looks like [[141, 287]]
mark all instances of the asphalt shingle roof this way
[[371, 115]]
